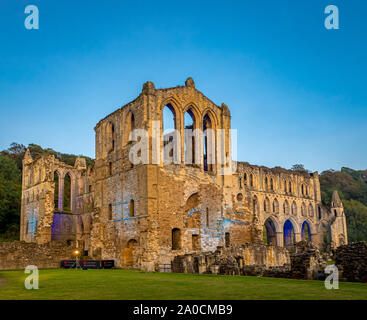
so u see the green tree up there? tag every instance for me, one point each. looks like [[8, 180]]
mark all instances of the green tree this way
[[16, 152], [352, 188], [299, 168], [10, 197], [356, 214]]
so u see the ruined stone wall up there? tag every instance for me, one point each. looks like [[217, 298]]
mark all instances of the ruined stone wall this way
[[304, 262], [189, 201], [122, 214], [85, 209], [117, 185], [38, 194], [279, 195], [237, 223], [307, 262], [230, 209], [233, 261], [142, 215], [159, 197], [20, 254], [63, 227], [351, 261]]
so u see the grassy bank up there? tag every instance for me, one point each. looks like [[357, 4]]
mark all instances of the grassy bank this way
[[124, 284]]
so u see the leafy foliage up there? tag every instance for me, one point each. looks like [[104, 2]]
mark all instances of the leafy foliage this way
[[16, 152], [10, 197], [299, 168], [356, 213], [352, 188]]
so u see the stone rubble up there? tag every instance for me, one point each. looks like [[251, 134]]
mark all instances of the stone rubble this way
[[351, 261]]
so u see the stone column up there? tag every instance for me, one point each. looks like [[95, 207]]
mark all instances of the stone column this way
[[72, 195], [202, 264], [298, 236], [280, 239], [314, 238], [181, 129], [61, 193]]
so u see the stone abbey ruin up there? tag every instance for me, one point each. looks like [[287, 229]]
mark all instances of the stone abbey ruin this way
[[159, 216]]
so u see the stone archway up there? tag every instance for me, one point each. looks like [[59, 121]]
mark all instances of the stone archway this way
[[129, 253], [306, 231], [209, 147], [270, 236], [289, 234], [176, 239], [192, 220]]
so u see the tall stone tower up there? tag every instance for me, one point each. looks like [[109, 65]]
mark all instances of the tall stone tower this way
[[339, 224], [169, 201]]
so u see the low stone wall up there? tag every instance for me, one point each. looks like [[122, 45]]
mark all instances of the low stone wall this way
[[351, 261], [232, 260], [273, 271], [303, 261], [20, 254]]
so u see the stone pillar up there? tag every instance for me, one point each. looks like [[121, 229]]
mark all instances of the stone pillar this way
[[315, 238], [214, 269], [181, 129], [202, 264], [72, 195], [298, 236], [79, 229], [200, 145], [280, 239], [44, 236], [61, 194]]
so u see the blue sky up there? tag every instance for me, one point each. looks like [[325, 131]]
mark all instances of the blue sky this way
[[296, 91]]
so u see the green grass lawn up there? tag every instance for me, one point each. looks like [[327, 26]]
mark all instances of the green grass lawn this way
[[124, 284]]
